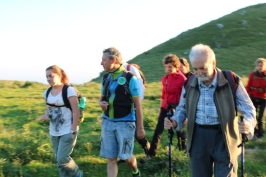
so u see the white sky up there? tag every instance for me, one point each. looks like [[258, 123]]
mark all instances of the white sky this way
[[35, 34]]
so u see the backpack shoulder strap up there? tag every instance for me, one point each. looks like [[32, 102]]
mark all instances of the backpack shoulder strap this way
[[64, 95], [127, 76], [233, 81], [105, 83], [47, 92], [186, 83], [128, 67]]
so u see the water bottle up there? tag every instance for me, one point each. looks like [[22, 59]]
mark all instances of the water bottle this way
[[82, 105]]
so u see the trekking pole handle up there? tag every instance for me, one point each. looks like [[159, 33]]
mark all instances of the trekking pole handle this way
[[244, 137], [170, 131], [241, 118], [168, 114]]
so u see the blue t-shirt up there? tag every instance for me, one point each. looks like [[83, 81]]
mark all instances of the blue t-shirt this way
[[120, 103]]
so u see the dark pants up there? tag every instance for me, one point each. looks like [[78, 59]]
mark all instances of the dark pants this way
[[181, 140], [144, 144], [208, 154], [157, 133], [260, 105]]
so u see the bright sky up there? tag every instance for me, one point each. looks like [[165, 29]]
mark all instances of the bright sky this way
[[72, 34]]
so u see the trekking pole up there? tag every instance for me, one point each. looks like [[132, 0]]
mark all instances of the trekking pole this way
[[170, 137], [244, 139]]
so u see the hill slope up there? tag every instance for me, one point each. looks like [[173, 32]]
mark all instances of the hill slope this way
[[237, 45]]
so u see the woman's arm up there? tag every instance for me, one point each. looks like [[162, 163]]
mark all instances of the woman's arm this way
[[73, 100]]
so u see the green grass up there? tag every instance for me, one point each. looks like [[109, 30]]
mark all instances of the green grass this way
[[25, 148]]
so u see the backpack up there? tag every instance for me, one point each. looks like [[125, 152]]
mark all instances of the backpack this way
[[140, 72], [126, 85], [106, 83], [232, 79], [81, 100]]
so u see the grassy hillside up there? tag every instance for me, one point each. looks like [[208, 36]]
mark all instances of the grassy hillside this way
[[25, 148], [237, 45]]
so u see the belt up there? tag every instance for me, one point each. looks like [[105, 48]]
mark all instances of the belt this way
[[217, 126]]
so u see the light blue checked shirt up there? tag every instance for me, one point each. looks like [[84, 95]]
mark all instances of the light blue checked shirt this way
[[206, 113]]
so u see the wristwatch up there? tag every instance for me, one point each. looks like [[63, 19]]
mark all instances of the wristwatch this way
[[73, 132]]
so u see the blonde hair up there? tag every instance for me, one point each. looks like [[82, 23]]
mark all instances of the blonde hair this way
[[184, 62], [260, 60]]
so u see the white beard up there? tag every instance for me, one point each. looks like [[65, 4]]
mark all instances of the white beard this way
[[203, 78]]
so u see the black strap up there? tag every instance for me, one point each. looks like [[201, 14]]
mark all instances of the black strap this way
[[64, 95], [126, 85], [106, 83], [233, 81], [186, 84], [47, 93]]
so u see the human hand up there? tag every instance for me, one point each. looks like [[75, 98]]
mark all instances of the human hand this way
[[44, 117], [140, 133], [244, 127], [169, 123], [104, 105], [73, 135], [185, 122]]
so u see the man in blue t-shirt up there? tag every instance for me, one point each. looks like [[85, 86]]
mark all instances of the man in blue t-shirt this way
[[120, 91]]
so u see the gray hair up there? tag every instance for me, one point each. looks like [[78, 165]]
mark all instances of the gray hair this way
[[114, 53], [201, 50]]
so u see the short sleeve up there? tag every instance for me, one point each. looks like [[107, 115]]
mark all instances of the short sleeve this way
[[44, 94], [71, 92], [134, 87]]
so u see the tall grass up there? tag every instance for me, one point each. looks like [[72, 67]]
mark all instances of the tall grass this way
[[25, 148]]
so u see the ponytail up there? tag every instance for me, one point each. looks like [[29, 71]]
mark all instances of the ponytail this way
[[56, 69]]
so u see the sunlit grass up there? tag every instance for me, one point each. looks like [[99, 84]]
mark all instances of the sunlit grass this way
[[25, 147]]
